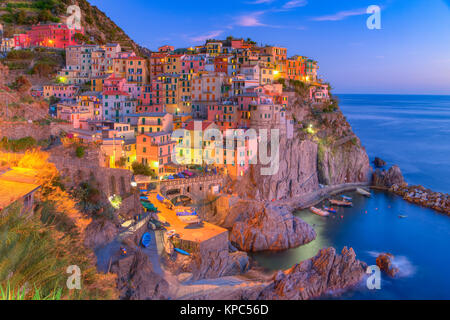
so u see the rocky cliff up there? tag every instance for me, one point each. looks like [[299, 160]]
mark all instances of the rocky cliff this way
[[323, 150], [208, 264], [269, 228], [259, 226], [136, 279], [327, 272]]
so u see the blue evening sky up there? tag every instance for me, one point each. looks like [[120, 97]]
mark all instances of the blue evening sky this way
[[409, 55]]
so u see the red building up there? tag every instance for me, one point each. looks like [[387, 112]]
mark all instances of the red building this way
[[53, 35]]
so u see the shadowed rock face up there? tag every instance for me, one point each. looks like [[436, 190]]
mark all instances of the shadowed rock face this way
[[99, 233], [271, 228], [325, 272], [209, 264], [388, 178], [136, 279]]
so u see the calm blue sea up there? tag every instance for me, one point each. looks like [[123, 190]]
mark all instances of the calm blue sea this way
[[414, 133]]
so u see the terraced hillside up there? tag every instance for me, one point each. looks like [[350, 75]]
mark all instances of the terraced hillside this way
[[18, 15]]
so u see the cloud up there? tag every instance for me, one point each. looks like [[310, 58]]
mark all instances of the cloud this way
[[260, 1], [341, 15], [210, 35], [294, 4], [250, 20]]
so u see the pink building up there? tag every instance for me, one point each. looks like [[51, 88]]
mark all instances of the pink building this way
[[21, 41], [192, 63], [53, 35], [319, 93]]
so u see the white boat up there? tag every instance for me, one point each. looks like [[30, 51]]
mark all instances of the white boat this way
[[363, 192]]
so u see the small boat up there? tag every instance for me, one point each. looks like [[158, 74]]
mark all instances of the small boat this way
[[146, 239], [363, 192], [319, 212], [182, 251], [341, 203], [402, 216], [347, 198], [332, 210]]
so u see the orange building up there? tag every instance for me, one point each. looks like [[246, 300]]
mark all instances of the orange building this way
[[155, 150]]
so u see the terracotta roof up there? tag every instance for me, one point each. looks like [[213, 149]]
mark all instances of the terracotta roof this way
[[15, 184], [191, 125], [115, 93]]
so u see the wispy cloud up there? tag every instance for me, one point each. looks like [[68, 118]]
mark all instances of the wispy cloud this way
[[294, 4], [204, 37], [260, 1], [341, 15], [250, 20]]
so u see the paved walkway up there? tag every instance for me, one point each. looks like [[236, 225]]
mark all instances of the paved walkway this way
[[313, 198]]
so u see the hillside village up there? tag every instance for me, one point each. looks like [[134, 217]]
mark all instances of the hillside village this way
[[118, 99], [106, 117]]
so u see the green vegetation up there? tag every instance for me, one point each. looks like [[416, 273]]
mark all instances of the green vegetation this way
[[18, 145], [121, 162], [37, 247], [141, 169], [80, 151], [9, 293], [332, 107], [33, 12]]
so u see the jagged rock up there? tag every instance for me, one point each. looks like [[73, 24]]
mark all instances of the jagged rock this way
[[384, 262], [270, 229], [100, 232], [136, 279], [325, 272], [379, 163], [213, 264], [208, 264], [387, 179], [183, 277]]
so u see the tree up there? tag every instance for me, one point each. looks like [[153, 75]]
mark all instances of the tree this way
[[79, 152], [141, 169]]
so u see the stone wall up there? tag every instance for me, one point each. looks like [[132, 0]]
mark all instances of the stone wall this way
[[109, 181], [4, 71], [17, 130]]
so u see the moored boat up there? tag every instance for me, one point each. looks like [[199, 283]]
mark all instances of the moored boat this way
[[341, 203], [319, 212], [363, 192], [332, 210], [146, 239], [182, 251]]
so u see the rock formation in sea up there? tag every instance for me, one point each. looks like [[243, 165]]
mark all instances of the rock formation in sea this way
[[325, 273], [386, 179], [270, 228], [259, 226], [136, 279], [385, 263], [424, 197], [378, 162]]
